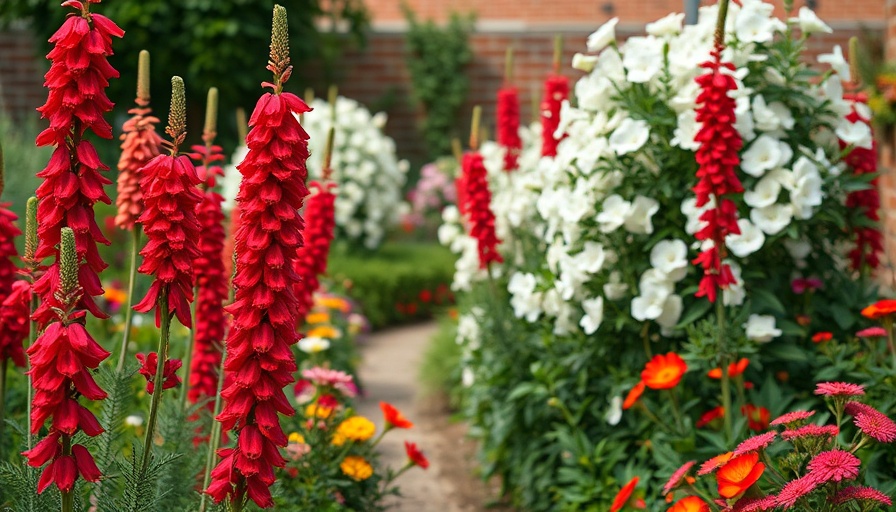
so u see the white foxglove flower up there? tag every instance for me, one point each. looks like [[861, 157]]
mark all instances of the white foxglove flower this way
[[747, 242], [763, 155], [810, 23], [669, 25], [671, 314], [613, 213], [857, 134], [615, 289], [592, 257], [765, 193], [629, 136], [761, 328], [649, 305], [640, 217], [772, 219], [643, 58], [837, 62], [584, 62], [670, 257], [594, 314], [807, 192], [603, 36], [686, 130], [735, 293]]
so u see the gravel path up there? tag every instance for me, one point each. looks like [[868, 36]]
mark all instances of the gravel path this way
[[389, 372]]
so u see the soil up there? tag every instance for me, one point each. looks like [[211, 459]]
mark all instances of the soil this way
[[389, 372]]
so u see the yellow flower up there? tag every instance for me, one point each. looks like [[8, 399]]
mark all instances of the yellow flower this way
[[114, 295], [318, 411], [317, 318], [295, 437], [356, 428], [324, 331], [356, 468], [331, 302]]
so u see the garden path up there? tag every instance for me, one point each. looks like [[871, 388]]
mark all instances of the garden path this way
[[390, 372]]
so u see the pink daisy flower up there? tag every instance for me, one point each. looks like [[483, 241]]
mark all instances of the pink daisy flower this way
[[755, 504], [811, 431], [872, 332], [714, 463], [677, 476], [839, 389], [755, 443], [863, 493], [833, 466], [872, 422], [792, 417], [794, 490], [334, 378]]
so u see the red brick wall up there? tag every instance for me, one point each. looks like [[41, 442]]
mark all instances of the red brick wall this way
[[887, 184], [21, 73]]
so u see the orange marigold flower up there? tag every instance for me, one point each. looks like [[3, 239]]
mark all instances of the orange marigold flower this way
[[734, 369], [738, 474], [823, 336], [393, 417], [690, 504], [664, 371], [633, 395], [623, 495], [880, 309]]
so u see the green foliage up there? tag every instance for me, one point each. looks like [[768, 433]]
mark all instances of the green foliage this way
[[436, 60], [439, 371], [23, 161], [400, 282]]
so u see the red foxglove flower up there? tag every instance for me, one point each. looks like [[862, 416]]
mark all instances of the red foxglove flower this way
[[149, 365], [318, 233], [11, 323], [556, 89], [869, 240], [717, 158], [477, 208], [140, 144], [508, 124], [79, 73]]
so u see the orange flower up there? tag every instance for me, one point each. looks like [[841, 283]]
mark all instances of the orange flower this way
[[393, 417], [623, 495], [415, 456], [633, 395], [758, 418], [734, 369], [823, 336], [880, 309], [690, 504], [664, 371], [739, 474], [710, 416]]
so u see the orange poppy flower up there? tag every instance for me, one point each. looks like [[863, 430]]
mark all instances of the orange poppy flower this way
[[738, 474], [880, 309], [393, 417], [758, 418], [734, 369], [664, 371], [623, 495], [689, 504], [633, 395]]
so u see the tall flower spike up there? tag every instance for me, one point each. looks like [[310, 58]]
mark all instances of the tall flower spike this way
[[556, 90], [869, 240], [140, 144], [211, 279], [259, 359], [169, 220], [508, 117], [15, 306], [8, 269], [79, 73], [61, 360], [477, 201]]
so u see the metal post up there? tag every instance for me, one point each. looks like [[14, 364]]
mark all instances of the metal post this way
[[691, 8]]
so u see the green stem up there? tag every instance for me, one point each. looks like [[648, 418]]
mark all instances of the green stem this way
[[215, 437], [129, 301], [32, 337], [720, 23], [645, 337], [675, 410], [723, 363], [188, 357], [68, 498], [4, 366], [158, 380]]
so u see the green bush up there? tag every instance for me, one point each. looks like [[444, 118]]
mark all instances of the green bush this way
[[399, 283]]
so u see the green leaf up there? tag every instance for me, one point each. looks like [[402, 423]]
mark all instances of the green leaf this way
[[694, 312]]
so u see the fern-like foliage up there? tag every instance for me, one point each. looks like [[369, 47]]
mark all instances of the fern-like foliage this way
[[178, 486], [108, 445], [19, 484], [140, 492]]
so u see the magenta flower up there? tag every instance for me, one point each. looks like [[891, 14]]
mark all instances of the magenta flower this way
[[678, 476], [839, 389], [872, 332], [792, 417], [811, 431], [794, 490], [869, 495], [872, 422], [833, 466], [755, 443]]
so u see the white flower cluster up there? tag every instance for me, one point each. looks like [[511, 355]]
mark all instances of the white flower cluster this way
[[612, 216], [368, 174]]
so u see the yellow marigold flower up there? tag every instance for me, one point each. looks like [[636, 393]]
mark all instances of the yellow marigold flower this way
[[324, 331], [318, 411], [356, 428], [331, 302], [114, 295], [319, 317], [356, 468], [295, 437]]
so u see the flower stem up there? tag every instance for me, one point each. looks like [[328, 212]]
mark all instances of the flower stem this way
[[720, 24], [68, 498], [214, 438], [723, 364], [158, 380], [675, 410], [188, 357], [4, 366], [129, 312], [32, 337]]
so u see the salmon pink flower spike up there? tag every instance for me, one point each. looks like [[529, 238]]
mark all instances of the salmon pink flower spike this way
[[556, 90], [477, 208], [79, 73], [717, 158], [320, 218], [10, 339], [61, 360], [508, 126], [259, 361], [869, 240]]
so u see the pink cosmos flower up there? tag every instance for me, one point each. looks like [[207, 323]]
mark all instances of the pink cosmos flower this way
[[333, 378], [872, 332], [834, 466], [755, 443], [794, 490], [862, 493], [792, 417], [872, 422], [755, 504], [678, 476], [839, 389], [811, 431]]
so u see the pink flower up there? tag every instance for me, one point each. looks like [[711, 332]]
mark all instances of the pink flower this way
[[792, 417], [833, 466], [872, 422], [678, 476], [872, 332], [332, 378], [802, 285], [794, 490], [811, 431], [839, 389], [862, 493], [755, 504], [755, 443]]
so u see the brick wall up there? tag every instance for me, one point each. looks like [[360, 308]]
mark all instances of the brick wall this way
[[21, 73], [887, 183]]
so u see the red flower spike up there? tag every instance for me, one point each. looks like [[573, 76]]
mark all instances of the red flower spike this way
[[556, 89], [13, 317], [172, 230], [140, 144], [312, 257], [477, 209], [264, 310], [212, 283], [149, 364], [508, 126], [869, 240]]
